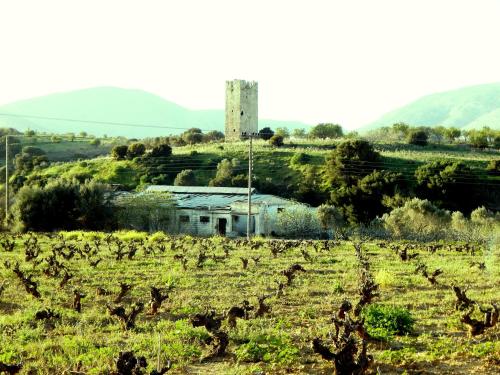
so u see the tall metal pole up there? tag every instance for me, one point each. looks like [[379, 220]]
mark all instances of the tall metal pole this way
[[250, 157], [6, 177]]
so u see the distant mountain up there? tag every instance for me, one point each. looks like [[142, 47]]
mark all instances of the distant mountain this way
[[115, 105], [469, 108]]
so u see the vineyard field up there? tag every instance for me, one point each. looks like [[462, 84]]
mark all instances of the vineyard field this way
[[70, 302]]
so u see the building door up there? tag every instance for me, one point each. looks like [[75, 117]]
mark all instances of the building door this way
[[221, 226]]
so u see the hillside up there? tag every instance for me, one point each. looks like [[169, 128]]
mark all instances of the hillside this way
[[468, 108], [111, 104]]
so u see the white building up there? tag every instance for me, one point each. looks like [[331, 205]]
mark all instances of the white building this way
[[207, 211]]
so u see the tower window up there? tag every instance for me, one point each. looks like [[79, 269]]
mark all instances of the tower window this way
[[241, 113]]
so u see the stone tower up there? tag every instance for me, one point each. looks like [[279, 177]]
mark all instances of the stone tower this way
[[241, 109]]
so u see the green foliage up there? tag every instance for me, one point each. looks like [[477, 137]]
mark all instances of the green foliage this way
[[225, 173], [149, 211], [298, 222], [135, 149], [95, 142], [447, 183], [478, 141], [214, 136], [268, 348], [350, 161], [185, 177], [323, 131], [300, 158], [299, 133], [162, 150], [417, 137], [382, 321], [417, 219], [25, 163], [276, 140], [119, 152], [61, 204], [284, 132], [266, 133], [33, 151]]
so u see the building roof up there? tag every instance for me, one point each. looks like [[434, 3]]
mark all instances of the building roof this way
[[199, 190], [215, 198]]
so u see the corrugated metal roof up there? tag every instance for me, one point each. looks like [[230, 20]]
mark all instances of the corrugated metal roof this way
[[207, 201], [200, 190], [215, 198]]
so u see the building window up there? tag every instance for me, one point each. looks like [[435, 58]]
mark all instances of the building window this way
[[236, 218], [184, 219], [241, 113], [204, 219]]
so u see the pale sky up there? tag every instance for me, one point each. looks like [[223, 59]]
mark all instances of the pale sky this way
[[345, 61]]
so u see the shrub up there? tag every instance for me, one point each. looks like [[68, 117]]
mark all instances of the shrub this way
[[266, 133], [33, 151], [353, 154], [276, 140], [326, 131], [493, 167], [161, 150], [478, 141], [417, 219], [185, 178], [119, 152], [382, 321], [214, 135], [298, 222], [135, 149], [418, 138], [446, 183], [268, 348], [95, 142], [61, 204], [299, 159]]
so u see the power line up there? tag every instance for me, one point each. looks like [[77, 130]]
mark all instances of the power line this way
[[112, 123]]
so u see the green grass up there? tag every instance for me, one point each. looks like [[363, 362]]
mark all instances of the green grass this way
[[279, 342], [270, 164]]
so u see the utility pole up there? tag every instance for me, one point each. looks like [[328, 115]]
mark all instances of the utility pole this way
[[6, 177], [250, 159]]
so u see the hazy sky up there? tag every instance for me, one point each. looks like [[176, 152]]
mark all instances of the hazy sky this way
[[316, 61]]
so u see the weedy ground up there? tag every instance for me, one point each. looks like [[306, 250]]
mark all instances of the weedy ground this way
[[278, 342]]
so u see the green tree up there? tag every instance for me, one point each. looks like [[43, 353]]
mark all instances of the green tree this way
[[119, 152], [150, 211], [478, 140], [214, 136], [401, 129], [493, 167], [284, 132], [417, 137], [326, 131], [451, 134], [447, 183], [162, 150], [96, 142], [61, 205], [225, 173], [266, 133], [299, 133], [276, 140], [350, 161], [135, 149], [185, 177]]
